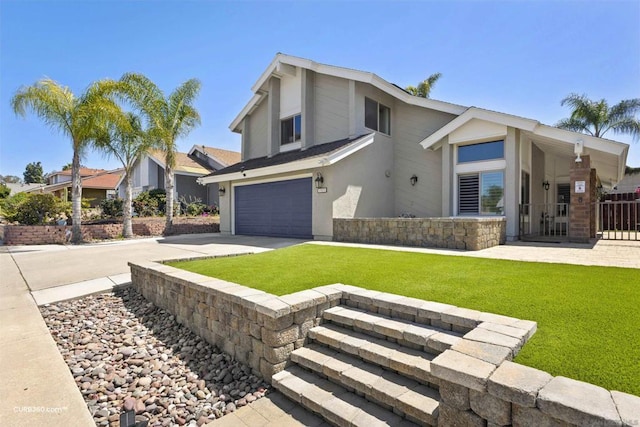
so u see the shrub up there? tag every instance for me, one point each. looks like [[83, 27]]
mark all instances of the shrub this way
[[38, 209], [111, 208], [150, 203], [4, 191], [9, 206]]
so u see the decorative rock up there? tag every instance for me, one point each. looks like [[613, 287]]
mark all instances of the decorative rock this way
[[128, 361], [449, 416], [455, 395]]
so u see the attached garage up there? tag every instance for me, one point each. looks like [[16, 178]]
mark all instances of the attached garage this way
[[277, 209]]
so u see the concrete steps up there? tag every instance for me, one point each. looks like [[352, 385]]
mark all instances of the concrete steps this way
[[364, 368]]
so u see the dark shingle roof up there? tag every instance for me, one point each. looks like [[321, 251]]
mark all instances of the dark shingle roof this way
[[287, 157]]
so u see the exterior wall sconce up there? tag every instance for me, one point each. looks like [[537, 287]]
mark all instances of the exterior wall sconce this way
[[413, 179], [221, 191], [545, 184], [319, 180]]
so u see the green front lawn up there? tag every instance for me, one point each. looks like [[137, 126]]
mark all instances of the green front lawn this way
[[588, 317]]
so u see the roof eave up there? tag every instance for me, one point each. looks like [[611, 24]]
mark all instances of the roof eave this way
[[298, 165]]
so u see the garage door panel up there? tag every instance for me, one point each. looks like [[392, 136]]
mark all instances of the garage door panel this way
[[280, 209]]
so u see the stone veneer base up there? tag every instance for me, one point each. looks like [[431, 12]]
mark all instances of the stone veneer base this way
[[467, 233]]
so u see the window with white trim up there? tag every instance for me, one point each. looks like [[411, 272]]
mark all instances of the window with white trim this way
[[480, 152], [481, 193], [377, 116], [291, 130]]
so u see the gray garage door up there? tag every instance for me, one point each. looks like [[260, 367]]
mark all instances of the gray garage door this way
[[279, 209]]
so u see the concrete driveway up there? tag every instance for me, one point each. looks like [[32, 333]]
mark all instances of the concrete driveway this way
[[48, 266]]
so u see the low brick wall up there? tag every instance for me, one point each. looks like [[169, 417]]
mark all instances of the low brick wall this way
[[53, 234], [468, 233]]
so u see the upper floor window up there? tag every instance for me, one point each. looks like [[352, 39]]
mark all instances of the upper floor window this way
[[479, 152], [291, 130], [377, 116]]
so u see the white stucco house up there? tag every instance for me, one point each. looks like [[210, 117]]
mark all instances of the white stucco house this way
[[322, 142], [201, 160]]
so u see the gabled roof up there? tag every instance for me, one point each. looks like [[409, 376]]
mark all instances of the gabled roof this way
[[281, 61], [184, 163], [83, 172], [316, 156], [537, 131], [223, 157], [107, 180]]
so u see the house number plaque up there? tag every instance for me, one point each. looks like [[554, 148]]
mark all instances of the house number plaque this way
[[580, 186]]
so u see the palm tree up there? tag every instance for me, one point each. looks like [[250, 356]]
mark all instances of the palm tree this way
[[122, 137], [168, 119], [75, 117], [424, 88], [596, 118]]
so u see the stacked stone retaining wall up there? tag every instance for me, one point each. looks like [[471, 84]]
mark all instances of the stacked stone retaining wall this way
[[53, 234], [453, 233], [478, 383]]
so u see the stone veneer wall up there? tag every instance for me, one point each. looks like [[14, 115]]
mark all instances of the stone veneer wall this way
[[53, 234], [478, 383], [468, 233]]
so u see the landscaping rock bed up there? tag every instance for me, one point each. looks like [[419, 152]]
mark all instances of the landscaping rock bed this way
[[125, 353]]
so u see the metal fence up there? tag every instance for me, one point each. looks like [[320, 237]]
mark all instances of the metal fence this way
[[544, 220], [619, 217]]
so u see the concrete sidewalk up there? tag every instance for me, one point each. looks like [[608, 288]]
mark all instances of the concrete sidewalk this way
[[37, 388]]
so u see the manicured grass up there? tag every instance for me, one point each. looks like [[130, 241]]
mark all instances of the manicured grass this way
[[588, 317]]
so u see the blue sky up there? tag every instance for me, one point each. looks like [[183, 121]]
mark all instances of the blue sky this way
[[519, 57]]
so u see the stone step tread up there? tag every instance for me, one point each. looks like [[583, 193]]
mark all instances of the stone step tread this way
[[415, 364], [374, 382], [426, 336], [333, 402]]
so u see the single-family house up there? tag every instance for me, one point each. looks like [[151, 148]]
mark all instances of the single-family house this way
[[149, 172], [97, 184], [59, 177], [321, 142]]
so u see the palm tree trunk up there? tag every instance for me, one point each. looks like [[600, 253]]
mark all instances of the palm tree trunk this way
[[169, 204], [76, 198], [127, 226]]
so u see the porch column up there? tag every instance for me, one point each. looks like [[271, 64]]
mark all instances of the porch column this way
[[512, 182], [447, 177], [581, 210]]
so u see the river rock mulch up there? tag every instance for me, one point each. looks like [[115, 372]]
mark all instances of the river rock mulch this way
[[125, 353]]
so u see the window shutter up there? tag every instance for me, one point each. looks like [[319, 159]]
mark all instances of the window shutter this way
[[468, 192]]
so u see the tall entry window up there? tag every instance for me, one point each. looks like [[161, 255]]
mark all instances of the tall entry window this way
[[377, 116], [291, 130], [481, 193]]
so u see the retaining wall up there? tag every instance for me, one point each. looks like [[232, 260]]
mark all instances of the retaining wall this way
[[468, 233], [53, 234], [478, 383]]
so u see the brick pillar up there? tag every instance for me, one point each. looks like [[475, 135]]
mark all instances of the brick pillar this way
[[580, 208], [594, 203]]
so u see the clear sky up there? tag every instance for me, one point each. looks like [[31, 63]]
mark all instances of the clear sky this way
[[519, 57]]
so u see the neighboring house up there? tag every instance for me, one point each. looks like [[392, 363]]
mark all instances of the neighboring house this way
[[95, 188], [149, 172], [322, 142], [629, 184], [17, 187], [65, 175]]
